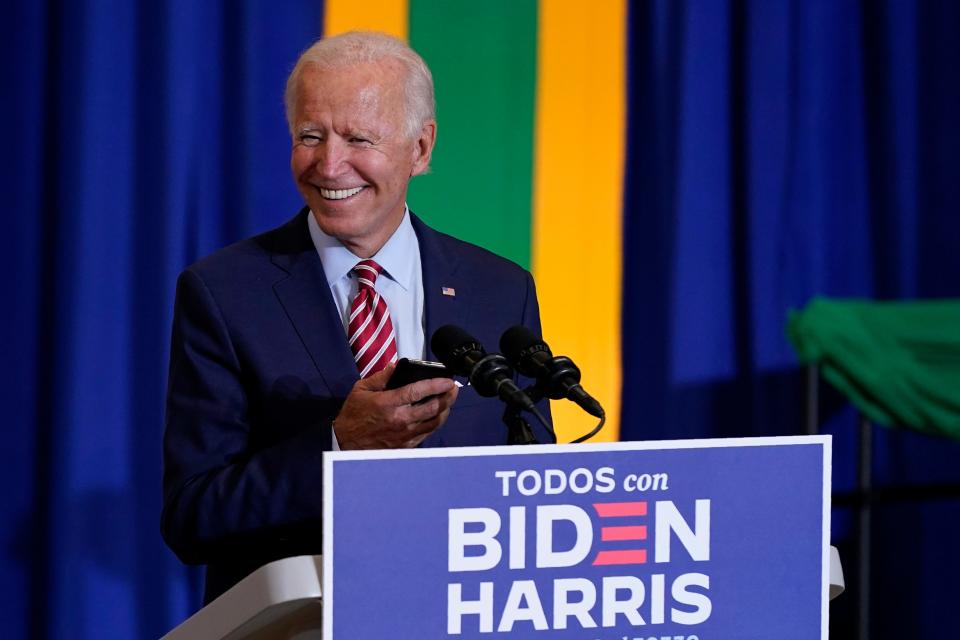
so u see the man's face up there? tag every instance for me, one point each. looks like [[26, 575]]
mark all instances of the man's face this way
[[352, 158]]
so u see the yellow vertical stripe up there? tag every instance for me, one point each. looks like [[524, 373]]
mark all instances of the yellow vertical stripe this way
[[389, 16], [577, 196]]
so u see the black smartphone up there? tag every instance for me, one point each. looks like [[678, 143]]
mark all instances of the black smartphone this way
[[409, 371]]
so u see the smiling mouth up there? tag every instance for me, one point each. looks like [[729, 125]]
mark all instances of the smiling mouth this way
[[338, 194]]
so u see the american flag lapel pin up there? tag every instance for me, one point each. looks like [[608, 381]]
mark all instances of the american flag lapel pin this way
[[448, 291]]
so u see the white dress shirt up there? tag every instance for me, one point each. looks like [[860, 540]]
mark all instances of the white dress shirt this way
[[400, 283]]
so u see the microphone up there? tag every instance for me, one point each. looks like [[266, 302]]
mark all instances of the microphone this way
[[489, 373], [557, 376]]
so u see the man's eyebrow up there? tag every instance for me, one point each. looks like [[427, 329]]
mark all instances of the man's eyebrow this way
[[306, 127], [365, 133]]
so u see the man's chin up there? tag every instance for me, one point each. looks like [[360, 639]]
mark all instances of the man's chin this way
[[362, 233], [334, 213], [346, 229]]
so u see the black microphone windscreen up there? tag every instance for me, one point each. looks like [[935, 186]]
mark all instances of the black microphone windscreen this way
[[517, 339], [448, 339]]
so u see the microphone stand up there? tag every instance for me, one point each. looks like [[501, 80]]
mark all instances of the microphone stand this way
[[519, 430]]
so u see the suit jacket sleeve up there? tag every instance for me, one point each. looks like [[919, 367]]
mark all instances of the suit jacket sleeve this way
[[225, 496]]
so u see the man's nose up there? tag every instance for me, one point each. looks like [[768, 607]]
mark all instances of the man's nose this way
[[330, 157]]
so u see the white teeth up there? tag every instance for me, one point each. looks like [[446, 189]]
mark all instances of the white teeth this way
[[339, 194]]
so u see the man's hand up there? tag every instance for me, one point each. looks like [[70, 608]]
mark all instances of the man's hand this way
[[375, 418]]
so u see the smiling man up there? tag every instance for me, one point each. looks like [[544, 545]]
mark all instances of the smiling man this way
[[283, 343], [355, 148]]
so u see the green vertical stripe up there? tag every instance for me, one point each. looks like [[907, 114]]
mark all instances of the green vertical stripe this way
[[483, 58]]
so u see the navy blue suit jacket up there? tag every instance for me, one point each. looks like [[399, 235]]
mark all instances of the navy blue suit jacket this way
[[260, 366]]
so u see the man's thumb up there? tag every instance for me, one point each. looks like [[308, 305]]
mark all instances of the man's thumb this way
[[378, 381]]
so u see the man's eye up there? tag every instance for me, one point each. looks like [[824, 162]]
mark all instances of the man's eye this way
[[309, 139], [358, 140]]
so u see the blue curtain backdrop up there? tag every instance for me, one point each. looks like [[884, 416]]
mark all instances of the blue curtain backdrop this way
[[777, 150], [143, 135]]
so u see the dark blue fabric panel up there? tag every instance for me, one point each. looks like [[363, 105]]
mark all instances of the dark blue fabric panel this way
[[702, 254], [777, 151], [143, 136], [21, 41], [938, 167]]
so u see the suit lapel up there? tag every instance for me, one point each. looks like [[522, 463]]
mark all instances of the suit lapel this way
[[440, 272], [306, 298]]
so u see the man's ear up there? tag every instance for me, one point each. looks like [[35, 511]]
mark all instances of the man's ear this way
[[423, 148]]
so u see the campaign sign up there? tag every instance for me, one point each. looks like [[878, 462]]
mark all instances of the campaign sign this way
[[697, 540]]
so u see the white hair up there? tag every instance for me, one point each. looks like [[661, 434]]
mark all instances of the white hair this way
[[357, 47]]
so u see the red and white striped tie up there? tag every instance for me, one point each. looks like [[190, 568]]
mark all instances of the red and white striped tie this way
[[370, 331]]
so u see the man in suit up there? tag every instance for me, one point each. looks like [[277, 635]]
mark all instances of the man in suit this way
[[283, 344]]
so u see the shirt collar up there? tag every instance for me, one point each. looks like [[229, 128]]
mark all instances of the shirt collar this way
[[397, 256]]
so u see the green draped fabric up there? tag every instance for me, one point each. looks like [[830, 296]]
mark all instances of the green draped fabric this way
[[898, 362]]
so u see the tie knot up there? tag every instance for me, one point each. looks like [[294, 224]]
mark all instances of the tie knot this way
[[367, 272]]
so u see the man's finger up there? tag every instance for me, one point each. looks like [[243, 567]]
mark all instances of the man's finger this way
[[417, 391], [423, 434], [419, 431], [427, 416], [415, 413]]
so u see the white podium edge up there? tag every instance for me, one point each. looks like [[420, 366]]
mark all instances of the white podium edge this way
[[273, 587], [837, 584]]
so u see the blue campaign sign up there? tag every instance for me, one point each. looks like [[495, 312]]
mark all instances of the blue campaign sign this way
[[697, 540]]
